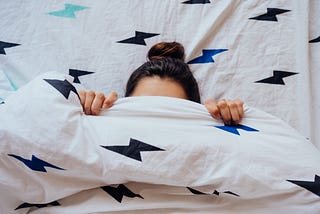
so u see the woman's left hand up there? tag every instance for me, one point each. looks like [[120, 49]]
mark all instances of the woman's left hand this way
[[230, 111]]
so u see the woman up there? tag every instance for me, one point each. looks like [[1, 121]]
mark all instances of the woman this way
[[165, 74]]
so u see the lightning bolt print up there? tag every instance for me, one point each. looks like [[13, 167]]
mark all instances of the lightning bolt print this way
[[69, 11], [277, 78], [118, 192], [27, 205], [312, 186], [35, 163], [64, 87], [315, 40], [234, 129], [133, 150], [139, 38], [215, 192], [207, 56], [77, 73], [271, 15], [4, 45], [196, 2]]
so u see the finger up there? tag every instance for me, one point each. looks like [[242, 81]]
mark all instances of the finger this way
[[110, 99], [212, 109], [240, 108], [82, 95], [233, 108], [97, 103], [88, 102], [225, 112]]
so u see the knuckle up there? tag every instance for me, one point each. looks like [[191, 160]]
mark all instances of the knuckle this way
[[91, 93], [239, 102], [113, 93], [114, 96], [100, 95], [108, 102], [214, 111], [222, 104], [232, 105]]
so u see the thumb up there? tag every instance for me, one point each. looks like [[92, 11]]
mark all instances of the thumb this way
[[110, 99], [213, 109]]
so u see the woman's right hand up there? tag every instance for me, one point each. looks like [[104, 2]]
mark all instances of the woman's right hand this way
[[93, 102]]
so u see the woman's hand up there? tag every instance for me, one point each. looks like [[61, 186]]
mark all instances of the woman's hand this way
[[93, 102], [230, 111]]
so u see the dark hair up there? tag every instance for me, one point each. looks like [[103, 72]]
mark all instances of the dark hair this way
[[166, 61], [166, 49]]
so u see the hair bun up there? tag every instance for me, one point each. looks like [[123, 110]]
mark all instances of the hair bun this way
[[166, 49]]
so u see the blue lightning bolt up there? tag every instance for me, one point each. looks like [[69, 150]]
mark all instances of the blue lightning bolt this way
[[207, 56], [234, 129], [69, 11], [35, 163]]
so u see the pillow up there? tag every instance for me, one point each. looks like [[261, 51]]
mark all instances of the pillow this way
[[51, 150]]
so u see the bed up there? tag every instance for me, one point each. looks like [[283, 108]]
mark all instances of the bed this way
[[55, 159]]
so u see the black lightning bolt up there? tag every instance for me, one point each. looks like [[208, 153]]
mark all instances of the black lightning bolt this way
[[139, 38], [277, 77], [271, 15], [231, 193], [196, 2], [315, 40], [120, 191], [196, 192], [27, 205], [4, 45], [312, 186], [77, 73], [35, 163], [64, 87], [133, 150]]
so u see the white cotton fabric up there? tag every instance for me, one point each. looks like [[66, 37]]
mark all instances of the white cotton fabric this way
[[39, 121], [255, 48]]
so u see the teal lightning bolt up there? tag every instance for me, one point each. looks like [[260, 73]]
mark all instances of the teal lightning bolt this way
[[69, 11]]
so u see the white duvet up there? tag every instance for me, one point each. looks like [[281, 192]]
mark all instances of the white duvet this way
[[147, 154]]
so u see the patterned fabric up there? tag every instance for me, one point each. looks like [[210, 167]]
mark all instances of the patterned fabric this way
[[147, 154], [265, 53]]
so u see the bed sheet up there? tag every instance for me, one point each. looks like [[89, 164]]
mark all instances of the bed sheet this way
[[147, 154], [263, 52]]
